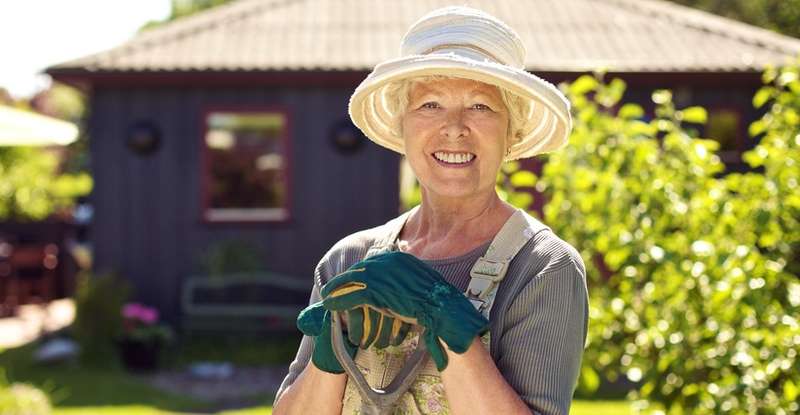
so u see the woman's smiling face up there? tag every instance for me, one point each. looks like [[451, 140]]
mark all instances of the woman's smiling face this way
[[455, 136]]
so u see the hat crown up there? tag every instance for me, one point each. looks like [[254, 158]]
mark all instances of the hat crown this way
[[466, 32]]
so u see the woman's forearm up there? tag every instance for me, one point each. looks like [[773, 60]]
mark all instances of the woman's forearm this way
[[473, 384], [313, 392]]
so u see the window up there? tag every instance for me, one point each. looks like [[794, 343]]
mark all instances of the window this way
[[245, 171], [724, 125]]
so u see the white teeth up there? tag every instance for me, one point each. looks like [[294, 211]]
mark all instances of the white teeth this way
[[455, 158]]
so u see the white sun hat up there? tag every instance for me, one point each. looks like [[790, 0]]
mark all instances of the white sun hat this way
[[462, 42]]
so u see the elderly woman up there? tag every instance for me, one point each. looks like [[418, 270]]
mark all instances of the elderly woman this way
[[502, 299]]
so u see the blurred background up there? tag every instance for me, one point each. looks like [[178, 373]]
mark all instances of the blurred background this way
[[171, 171]]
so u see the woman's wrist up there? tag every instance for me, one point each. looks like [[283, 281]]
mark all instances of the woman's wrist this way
[[314, 391]]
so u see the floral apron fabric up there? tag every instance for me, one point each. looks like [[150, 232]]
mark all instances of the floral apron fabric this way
[[426, 395]]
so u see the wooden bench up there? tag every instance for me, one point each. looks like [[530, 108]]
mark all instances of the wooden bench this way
[[242, 302]]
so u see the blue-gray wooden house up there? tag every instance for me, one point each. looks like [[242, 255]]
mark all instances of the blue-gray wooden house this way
[[232, 123]]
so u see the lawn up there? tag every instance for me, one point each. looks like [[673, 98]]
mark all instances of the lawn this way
[[75, 389], [110, 390]]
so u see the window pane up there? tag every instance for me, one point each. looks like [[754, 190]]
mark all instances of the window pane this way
[[245, 177], [723, 126]]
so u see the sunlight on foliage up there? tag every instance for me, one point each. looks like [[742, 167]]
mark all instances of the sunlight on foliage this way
[[693, 275]]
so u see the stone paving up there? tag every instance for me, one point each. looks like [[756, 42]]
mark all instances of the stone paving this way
[[247, 386]]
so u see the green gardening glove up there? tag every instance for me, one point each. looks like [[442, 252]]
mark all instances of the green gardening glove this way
[[315, 321], [367, 326], [402, 286]]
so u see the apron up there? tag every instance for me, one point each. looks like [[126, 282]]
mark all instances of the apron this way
[[426, 396]]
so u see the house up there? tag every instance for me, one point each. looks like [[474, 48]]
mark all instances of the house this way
[[233, 122]]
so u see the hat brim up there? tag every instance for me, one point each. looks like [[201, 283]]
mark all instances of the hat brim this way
[[547, 128]]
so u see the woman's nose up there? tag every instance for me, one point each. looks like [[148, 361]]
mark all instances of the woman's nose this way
[[454, 126]]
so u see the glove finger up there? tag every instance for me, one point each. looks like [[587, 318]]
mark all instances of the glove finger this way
[[352, 279], [437, 352], [385, 334], [372, 324], [459, 328], [399, 334], [323, 356], [348, 301], [311, 320], [355, 325]]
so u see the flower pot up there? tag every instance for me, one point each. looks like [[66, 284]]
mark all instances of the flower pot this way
[[139, 356]]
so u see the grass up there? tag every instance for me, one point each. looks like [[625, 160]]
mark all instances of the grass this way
[[76, 389], [109, 390], [580, 407]]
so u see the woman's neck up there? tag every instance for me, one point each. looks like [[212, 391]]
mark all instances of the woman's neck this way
[[444, 227]]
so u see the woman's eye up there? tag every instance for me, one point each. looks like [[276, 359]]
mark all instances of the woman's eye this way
[[430, 105], [481, 107]]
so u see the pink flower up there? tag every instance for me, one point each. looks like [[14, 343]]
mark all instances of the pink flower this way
[[148, 315], [131, 310], [140, 312]]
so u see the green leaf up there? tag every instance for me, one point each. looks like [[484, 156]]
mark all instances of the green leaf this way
[[769, 75], [697, 115], [761, 97], [790, 391], [615, 257], [523, 178], [521, 200], [589, 379], [583, 85], [791, 117], [631, 111], [786, 77], [757, 127], [662, 96], [613, 93], [794, 86]]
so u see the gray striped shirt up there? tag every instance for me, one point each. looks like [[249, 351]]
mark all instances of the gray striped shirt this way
[[538, 322]]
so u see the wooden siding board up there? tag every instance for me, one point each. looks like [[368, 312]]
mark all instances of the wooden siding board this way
[[139, 267], [108, 227], [167, 190], [148, 209]]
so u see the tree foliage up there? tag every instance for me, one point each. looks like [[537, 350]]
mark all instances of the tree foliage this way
[[183, 8], [693, 274], [782, 16], [31, 187]]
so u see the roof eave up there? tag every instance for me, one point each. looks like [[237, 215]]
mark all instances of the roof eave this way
[[84, 78]]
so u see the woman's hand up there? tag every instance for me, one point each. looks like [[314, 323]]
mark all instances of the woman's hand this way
[[367, 326], [315, 321], [401, 286]]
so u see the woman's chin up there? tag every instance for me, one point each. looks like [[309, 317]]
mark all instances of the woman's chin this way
[[452, 190]]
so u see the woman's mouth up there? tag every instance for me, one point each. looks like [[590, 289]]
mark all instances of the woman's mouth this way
[[453, 159]]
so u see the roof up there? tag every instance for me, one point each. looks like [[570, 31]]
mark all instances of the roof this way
[[25, 128], [346, 35]]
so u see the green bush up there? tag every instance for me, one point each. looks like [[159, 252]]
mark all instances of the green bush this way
[[230, 257], [22, 399], [98, 319], [693, 291], [30, 186]]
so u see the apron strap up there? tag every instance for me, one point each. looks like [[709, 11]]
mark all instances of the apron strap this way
[[490, 269]]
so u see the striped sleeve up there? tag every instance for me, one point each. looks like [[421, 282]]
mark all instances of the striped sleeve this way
[[543, 337], [303, 353]]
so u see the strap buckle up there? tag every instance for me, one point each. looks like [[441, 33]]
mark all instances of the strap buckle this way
[[485, 274]]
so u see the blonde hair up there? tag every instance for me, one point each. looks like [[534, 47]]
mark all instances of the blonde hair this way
[[396, 95]]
